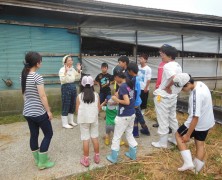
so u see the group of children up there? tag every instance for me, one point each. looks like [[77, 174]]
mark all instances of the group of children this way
[[173, 80], [123, 109]]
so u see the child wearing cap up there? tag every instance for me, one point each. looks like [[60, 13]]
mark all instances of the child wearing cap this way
[[87, 108], [111, 110], [197, 125]]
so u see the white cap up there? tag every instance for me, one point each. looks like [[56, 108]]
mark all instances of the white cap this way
[[111, 105], [181, 79], [64, 58], [87, 80]]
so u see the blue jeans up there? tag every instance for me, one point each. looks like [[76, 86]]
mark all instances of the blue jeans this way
[[68, 98], [139, 117], [44, 124]]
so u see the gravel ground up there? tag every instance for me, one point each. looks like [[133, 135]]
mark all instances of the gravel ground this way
[[65, 149]]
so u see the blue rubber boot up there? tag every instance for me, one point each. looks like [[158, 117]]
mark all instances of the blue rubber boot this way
[[113, 156], [132, 153]]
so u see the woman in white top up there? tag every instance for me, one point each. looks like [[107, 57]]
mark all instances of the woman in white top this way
[[197, 125], [68, 75], [36, 109], [87, 108]]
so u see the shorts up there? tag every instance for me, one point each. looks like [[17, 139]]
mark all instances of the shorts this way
[[89, 130], [109, 128], [198, 135]]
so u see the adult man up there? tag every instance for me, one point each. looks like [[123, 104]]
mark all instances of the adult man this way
[[166, 97]]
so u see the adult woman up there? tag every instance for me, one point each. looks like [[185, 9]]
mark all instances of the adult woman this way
[[36, 109], [68, 75]]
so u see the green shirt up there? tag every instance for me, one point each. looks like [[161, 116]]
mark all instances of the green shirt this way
[[110, 115]]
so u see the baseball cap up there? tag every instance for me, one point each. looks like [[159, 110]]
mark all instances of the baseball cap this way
[[117, 70], [87, 80], [181, 79]]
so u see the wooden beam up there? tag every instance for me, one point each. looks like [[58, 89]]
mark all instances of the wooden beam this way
[[71, 9], [46, 54], [36, 24]]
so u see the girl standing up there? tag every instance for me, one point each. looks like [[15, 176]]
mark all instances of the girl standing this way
[[68, 76], [87, 108], [124, 121], [36, 109]]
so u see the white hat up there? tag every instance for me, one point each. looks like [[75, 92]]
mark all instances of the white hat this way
[[181, 79], [64, 58], [87, 80], [111, 105]]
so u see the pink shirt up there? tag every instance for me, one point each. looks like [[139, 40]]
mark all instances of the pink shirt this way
[[159, 74]]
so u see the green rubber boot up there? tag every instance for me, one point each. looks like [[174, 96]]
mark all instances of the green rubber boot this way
[[36, 156], [43, 161]]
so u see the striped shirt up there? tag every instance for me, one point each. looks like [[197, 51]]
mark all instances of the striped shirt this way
[[32, 103]]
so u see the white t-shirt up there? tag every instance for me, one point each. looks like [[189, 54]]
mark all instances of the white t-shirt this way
[[200, 105], [88, 113], [144, 74], [170, 69]]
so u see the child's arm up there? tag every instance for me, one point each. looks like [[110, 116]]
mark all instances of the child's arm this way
[[186, 137], [77, 104], [103, 104]]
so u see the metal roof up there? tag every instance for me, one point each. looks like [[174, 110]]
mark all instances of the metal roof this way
[[111, 10]]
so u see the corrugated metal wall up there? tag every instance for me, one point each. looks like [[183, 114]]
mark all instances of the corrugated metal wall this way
[[16, 40]]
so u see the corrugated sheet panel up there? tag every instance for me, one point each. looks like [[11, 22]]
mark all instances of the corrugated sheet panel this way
[[16, 41]]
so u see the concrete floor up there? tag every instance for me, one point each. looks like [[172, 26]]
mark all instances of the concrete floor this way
[[16, 160]]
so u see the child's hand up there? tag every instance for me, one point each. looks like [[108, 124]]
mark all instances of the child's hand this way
[[78, 66], [104, 102], [116, 94]]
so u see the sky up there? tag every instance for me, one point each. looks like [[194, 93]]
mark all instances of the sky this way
[[209, 7]]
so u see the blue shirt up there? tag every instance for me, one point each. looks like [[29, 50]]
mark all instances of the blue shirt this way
[[137, 91], [126, 110]]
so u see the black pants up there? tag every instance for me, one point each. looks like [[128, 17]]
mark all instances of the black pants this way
[[144, 98], [44, 123]]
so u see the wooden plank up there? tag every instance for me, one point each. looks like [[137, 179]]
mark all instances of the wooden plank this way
[[50, 75], [48, 54], [35, 24]]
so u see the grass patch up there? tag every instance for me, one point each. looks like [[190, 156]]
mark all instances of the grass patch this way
[[20, 118], [11, 119]]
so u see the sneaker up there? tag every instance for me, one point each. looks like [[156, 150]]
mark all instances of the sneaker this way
[[85, 161], [106, 141], [121, 143], [156, 125], [96, 158], [145, 131]]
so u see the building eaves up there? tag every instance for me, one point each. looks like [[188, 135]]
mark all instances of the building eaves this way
[[102, 9]]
